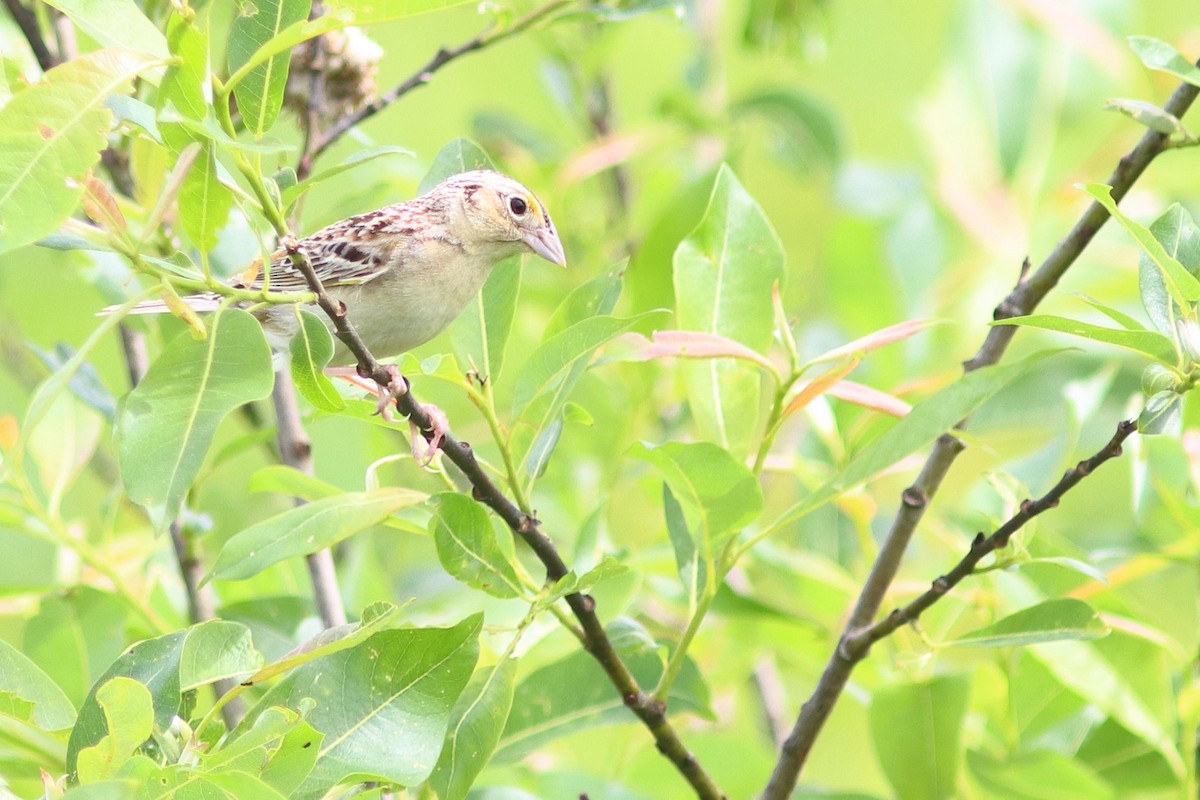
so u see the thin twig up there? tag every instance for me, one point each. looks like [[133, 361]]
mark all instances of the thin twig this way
[[422, 76], [1029, 291], [856, 645], [652, 714]]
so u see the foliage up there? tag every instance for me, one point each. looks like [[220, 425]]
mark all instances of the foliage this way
[[712, 414]]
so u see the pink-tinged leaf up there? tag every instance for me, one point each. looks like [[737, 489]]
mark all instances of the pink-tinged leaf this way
[[819, 385], [873, 341], [689, 344], [870, 398]]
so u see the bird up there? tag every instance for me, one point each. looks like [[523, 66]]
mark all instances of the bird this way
[[405, 271]]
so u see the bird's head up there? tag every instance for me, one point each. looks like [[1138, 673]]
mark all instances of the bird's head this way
[[497, 209]]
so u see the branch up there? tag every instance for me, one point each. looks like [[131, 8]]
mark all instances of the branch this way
[[321, 143], [27, 21], [595, 640], [1029, 291]]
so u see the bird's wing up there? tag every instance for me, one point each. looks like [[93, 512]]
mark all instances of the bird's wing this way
[[351, 252]]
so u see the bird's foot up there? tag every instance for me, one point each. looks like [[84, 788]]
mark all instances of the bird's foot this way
[[424, 449], [397, 386]]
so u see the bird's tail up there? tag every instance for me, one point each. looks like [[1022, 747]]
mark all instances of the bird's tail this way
[[197, 302]]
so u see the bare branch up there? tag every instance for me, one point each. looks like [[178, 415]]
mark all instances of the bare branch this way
[[1030, 290], [27, 21], [320, 143]]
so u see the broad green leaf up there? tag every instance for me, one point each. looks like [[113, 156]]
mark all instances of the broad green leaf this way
[[476, 723], [306, 529], [217, 650], [115, 23], [384, 705], [204, 202], [916, 729], [721, 491], [295, 758], [76, 635], [552, 364], [1182, 285], [467, 546], [723, 273], [1158, 55], [294, 192], [1049, 621], [51, 135], [1176, 231], [592, 298], [50, 709], [572, 693], [927, 421], [204, 652], [460, 155], [311, 349], [1148, 343], [811, 136], [260, 93], [129, 719], [288, 480], [1041, 773], [166, 424]]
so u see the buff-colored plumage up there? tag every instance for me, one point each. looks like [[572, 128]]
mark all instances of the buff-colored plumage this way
[[405, 271]]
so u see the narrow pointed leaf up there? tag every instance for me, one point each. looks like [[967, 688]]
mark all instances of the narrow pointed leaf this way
[[50, 709], [166, 424], [467, 546], [1176, 231], [477, 721], [115, 23], [311, 349], [294, 192], [1158, 55], [306, 529], [1050, 621], [1148, 343]]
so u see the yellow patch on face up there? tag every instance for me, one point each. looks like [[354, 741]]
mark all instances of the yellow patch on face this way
[[534, 206]]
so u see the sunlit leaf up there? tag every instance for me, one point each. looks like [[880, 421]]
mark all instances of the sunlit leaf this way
[[51, 135], [1149, 114], [467, 546], [916, 728], [21, 678], [1148, 343], [476, 723], [724, 272], [1050, 621], [291, 194], [165, 425], [1176, 231], [311, 349], [129, 719], [1158, 55]]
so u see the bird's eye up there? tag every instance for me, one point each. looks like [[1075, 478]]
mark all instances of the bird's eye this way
[[518, 206]]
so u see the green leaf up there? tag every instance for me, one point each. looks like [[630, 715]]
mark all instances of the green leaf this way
[[51, 135], [129, 718], [204, 202], [1176, 231], [76, 635], [1148, 343], [693, 570], [1121, 318], [383, 705], [294, 192], [1148, 114], [724, 271], [1158, 55], [721, 491], [290, 481], [811, 136], [166, 424], [50, 709], [593, 298], [306, 529], [552, 365], [1162, 413], [311, 349], [217, 650], [572, 693], [460, 155], [927, 421], [476, 723], [1183, 287], [467, 546], [916, 729], [115, 23], [1049, 621], [1028, 776], [154, 663], [260, 93]]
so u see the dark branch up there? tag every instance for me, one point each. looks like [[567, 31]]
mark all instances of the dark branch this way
[[27, 21], [422, 76], [595, 639], [1029, 291]]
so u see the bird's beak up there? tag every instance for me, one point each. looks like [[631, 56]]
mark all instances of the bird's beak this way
[[544, 242]]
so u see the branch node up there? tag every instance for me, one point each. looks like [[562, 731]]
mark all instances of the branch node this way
[[914, 498], [940, 586], [979, 540], [589, 602], [1027, 507]]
